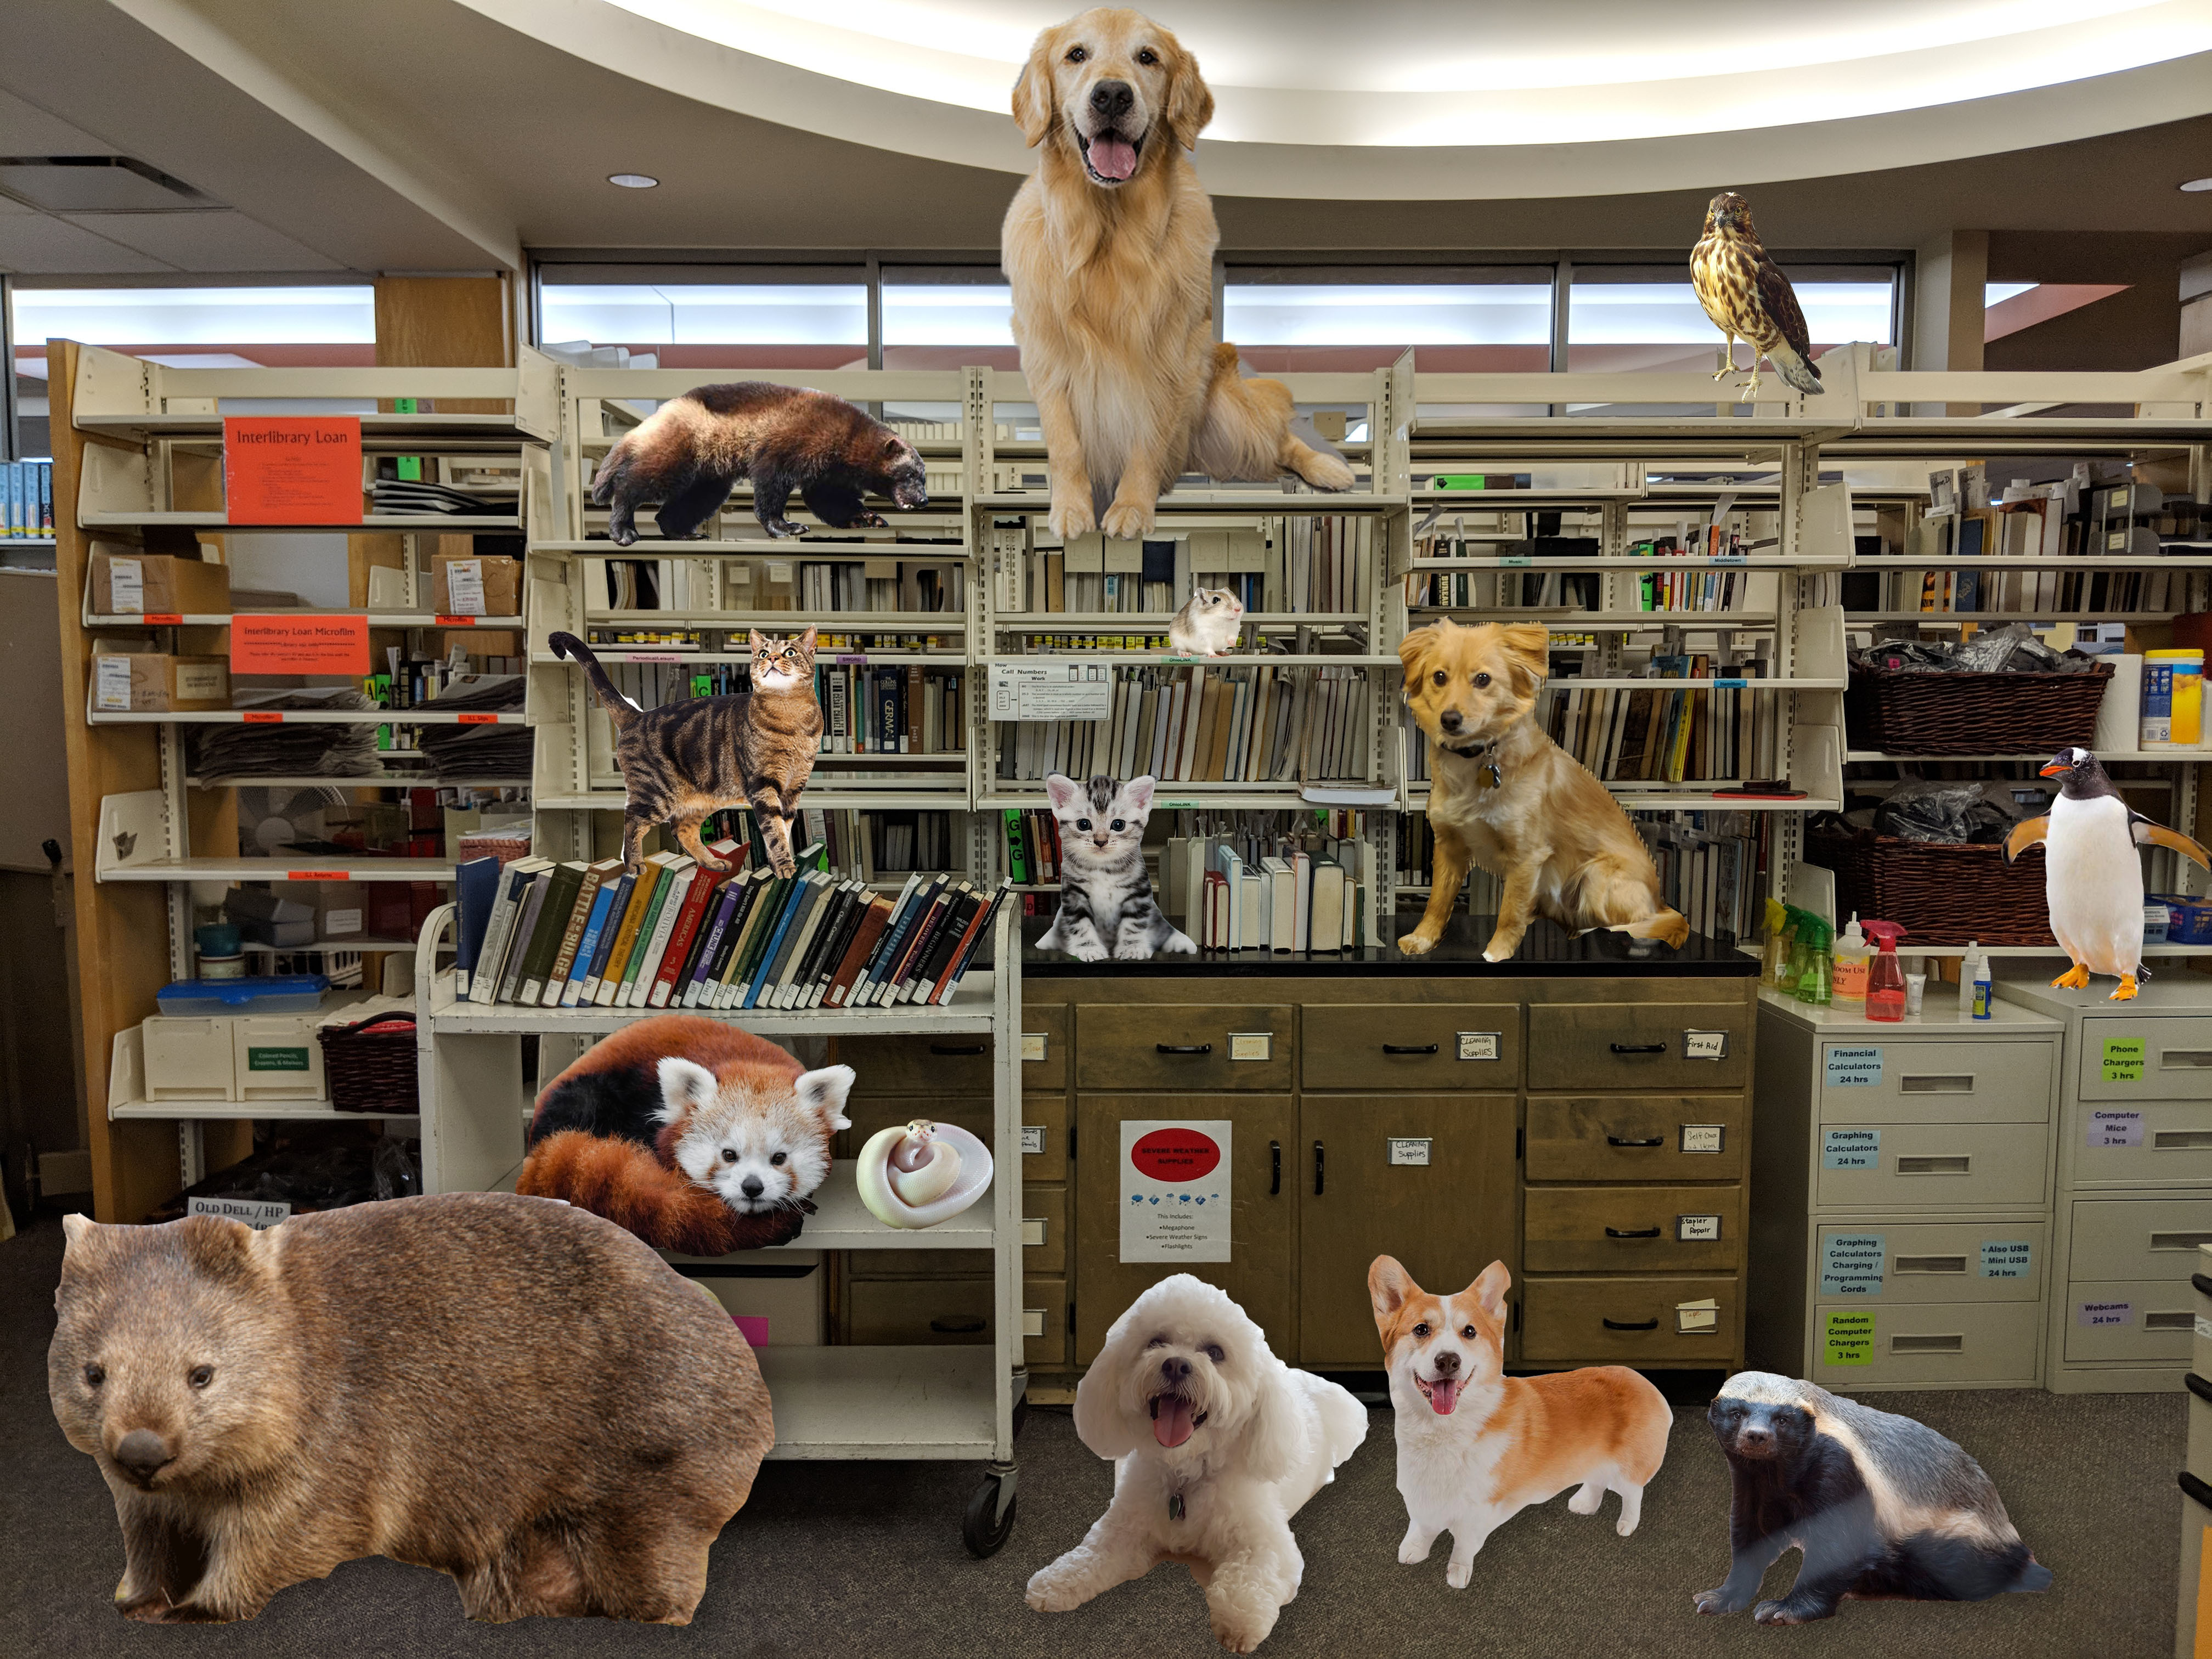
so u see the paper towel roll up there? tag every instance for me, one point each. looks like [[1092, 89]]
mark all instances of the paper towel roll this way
[[2118, 717]]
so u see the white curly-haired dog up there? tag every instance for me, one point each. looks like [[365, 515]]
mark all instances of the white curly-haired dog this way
[[1216, 1445]]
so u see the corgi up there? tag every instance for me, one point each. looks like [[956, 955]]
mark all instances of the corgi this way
[[1476, 1446], [694, 1135]]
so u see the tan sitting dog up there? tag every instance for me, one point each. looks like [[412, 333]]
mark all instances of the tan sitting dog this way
[[1503, 795]]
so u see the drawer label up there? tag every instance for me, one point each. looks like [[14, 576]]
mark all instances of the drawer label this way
[[1700, 1316], [1703, 1137], [1852, 1264], [1032, 1231], [1850, 1149], [1251, 1045], [1855, 1068], [2103, 1315], [1033, 1045], [1479, 1045], [2123, 1059], [2110, 1128], [1175, 1190], [2007, 1258], [1704, 1045], [2203, 1328], [255, 1212], [1847, 1338], [1411, 1152], [1033, 1321], [275, 1059], [1697, 1229], [1032, 1140]]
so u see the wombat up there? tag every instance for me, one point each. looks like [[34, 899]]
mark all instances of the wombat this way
[[510, 1390]]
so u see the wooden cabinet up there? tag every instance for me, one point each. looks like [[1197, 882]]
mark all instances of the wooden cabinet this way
[[1613, 1138], [1639, 1046], [1184, 1046], [1643, 1319], [1613, 1229], [1427, 1178], [1363, 1046]]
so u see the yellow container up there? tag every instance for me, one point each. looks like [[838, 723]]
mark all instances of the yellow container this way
[[2173, 699]]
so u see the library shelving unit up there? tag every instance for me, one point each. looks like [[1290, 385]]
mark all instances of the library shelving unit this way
[[847, 1401], [140, 469]]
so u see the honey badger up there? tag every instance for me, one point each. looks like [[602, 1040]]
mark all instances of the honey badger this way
[[1882, 1507], [690, 451]]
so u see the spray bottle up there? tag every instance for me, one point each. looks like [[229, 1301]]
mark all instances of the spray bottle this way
[[1814, 978], [1852, 956], [1974, 983], [1885, 986], [1775, 951]]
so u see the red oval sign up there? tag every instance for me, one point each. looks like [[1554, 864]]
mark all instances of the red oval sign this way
[[1176, 1155]]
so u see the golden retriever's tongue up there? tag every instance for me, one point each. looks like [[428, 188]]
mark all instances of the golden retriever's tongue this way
[[1113, 156], [1171, 1423], [1444, 1396]]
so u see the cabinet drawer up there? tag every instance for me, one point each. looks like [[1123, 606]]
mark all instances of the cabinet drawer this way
[[1044, 1127], [1044, 1322], [2148, 1320], [1911, 1166], [1044, 1229], [1376, 1045], [1630, 1320], [2147, 1143], [919, 1264], [1615, 1229], [2142, 1238], [904, 1312], [1611, 1138], [1935, 1344], [1894, 1262], [1150, 1046], [1050, 1021], [2173, 1063], [870, 1114], [1950, 1082], [1635, 1045], [957, 1063]]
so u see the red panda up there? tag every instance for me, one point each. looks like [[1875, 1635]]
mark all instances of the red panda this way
[[688, 453], [696, 1136]]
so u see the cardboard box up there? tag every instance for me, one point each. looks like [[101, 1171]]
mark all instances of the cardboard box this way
[[779, 1304], [125, 681], [125, 582], [470, 585], [341, 907]]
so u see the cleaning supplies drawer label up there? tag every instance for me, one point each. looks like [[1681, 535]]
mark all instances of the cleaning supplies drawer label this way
[[1854, 1068], [2007, 1258], [1479, 1045], [1850, 1149], [1411, 1152], [2111, 1128], [1847, 1337], [1852, 1264]]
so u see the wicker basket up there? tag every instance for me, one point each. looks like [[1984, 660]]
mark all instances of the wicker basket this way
[[1942, 892], [1904, 711], [372, 1071]]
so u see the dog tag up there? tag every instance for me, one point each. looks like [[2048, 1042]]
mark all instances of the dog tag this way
[[1250, 1045], [1033, 1141], [1411, 1152], [1174, 1506], [1704, 1045], [1703, 1137], [1033, 1045], [1479, 1045], [1697, 1229]]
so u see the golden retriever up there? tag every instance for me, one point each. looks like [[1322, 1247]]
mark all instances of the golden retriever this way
[[1108, 246], [1502, 795]]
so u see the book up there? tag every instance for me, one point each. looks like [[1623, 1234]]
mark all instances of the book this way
[[595, 877], [899, 946], [588, 990], [873, 918], [830, 944], [716, 929], [675, 960], [899, 986], [659, 927], [959, 917], [499, 930], [625, 932], [767, 914], [752, 904], [1328, 902], [645, 907], [805, 890], [900, 918], [978, 931], [595, 928], [547, 927], [525, 936], [475, 890], [791, 968]]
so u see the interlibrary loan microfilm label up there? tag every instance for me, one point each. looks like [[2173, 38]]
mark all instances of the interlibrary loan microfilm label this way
[[1175, 1190]]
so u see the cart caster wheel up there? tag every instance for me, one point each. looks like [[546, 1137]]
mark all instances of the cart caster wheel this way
[[984, 1530]]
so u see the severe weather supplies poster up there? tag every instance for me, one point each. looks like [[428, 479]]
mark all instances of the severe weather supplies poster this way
[[1175, 1190]]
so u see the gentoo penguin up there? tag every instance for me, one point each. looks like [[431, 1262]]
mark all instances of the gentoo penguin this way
[[2092, 879]]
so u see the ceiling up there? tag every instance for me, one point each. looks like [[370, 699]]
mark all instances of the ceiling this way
[[449, 135]]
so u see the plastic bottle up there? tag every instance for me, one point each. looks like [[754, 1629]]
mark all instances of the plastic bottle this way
[[1853, 958], [1791, 957], [1973, 970], [1885, 984], [1775, 952], [1814, 978], [1916, 985], [1981, 998]]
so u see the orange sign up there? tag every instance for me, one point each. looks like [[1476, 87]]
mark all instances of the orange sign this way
[[479, 719], [292, 469], [299, 645]]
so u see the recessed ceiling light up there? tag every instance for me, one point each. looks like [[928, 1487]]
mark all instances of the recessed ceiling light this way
[[2198, 184], [647, 181]]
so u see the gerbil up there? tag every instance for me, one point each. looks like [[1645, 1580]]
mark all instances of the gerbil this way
[[1207, 624]]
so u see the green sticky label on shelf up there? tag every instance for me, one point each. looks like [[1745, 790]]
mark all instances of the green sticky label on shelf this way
[[2007, 1258], [275, 1059], [408, 467], [2123, 1059], [1848, 1339], [1513, 558]]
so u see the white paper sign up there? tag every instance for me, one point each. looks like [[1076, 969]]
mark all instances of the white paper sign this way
[[112, 688], [1033, 1141], [256, 1212], [1033, 1045], [1704, 1137], [1052, 689], [2111, 1128], [1479, 1045], [1704, 1045], [1250, 1045], [1175, 1190], [1697, 1229], [126, 588], [1411, 1152], [336, 922], [465, 588]]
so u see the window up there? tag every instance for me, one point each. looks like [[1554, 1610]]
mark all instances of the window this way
[[1636, 318], [705, 316], [948, 317], [1459, 320]]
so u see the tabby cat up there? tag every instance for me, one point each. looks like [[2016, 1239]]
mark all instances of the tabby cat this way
[[686, 760], [1106, 903]]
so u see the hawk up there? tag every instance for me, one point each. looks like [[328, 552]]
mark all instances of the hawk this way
[[1746, 295]]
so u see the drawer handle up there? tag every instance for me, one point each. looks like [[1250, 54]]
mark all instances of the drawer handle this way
[[1936, 1085], [2197, 1386], [1184, 1047], [1632, 1232], [2175, 1060], [2182, 1140], [2179, 1241], [1629, 1324], [956, 1047], [1931, 1264], [2203, 1284], [1623, 1140], [1956, 1164], [2169, 1322], [1275, 1168], [1639, 1048], [967, 1326], [2194, 1488], [1319, 1154], [1409, 1048], [1927, 1345]]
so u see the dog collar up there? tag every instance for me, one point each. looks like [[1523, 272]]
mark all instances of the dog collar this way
[[1485, 755]]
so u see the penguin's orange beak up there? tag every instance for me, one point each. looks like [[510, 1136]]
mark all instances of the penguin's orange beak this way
[[2055, 770]]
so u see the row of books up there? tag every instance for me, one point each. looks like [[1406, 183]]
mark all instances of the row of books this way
[[1032, 845], [1272, 893], [880, 708], [1227, 725], [2055, 593], [1302, 562], [27, 498], [1698, 733], [535, 933], [881, 584]]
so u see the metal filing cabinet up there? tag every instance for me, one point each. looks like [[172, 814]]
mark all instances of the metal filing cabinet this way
[[2134, 1180], [1901, 1237]]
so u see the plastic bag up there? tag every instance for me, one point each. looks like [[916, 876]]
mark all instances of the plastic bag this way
[[1947, 810]]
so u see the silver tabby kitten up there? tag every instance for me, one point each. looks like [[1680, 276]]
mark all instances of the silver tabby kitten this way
[[1106, 903]]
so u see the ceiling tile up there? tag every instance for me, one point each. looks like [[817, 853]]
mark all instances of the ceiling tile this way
[[26, 129], [37, 244], [206, 240]]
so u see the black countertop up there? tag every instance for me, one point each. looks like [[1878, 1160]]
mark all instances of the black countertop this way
[[1545, 952]]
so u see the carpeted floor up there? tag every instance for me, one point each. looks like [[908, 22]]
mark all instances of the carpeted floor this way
[[865, 1559]]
